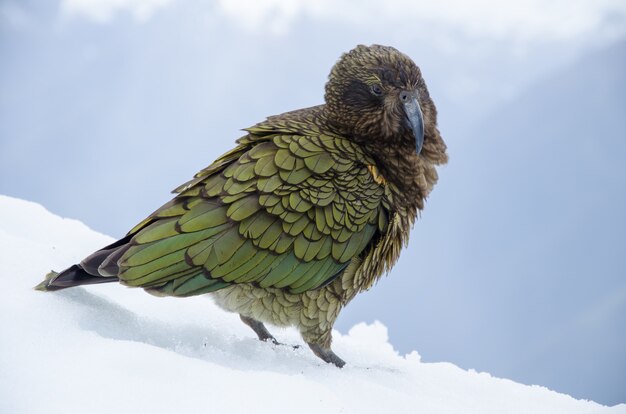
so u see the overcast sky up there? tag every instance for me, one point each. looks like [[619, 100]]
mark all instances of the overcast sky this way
[[516, 266]]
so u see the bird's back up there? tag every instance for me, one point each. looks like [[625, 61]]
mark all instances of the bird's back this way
[[289, 208]]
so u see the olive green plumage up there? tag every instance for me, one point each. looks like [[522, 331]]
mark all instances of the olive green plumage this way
[[290, 211], [309, 209]]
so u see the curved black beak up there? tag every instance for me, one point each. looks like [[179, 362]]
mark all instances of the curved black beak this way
[[414, 117]]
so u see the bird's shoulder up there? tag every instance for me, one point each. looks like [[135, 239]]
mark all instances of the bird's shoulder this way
[[292, 145], [293, 164]]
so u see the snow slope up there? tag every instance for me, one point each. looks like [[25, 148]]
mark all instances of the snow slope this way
[[107, 348]]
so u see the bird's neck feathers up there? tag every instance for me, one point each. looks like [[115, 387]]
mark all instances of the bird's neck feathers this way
[[411, 176]]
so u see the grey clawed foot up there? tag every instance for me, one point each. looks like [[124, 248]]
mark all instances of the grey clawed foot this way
[[261, 331], [275, 342], [327, 355]]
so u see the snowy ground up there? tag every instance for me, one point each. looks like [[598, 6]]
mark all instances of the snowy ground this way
[[108, 348]]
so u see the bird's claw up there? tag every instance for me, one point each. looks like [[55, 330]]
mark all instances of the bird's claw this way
[[275, 342], [327, 355]]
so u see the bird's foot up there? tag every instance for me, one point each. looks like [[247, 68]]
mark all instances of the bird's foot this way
[[275, 342], [262, 332], [327, 355], [258, 328]]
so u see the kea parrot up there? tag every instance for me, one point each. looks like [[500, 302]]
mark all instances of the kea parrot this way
[[309, 209]]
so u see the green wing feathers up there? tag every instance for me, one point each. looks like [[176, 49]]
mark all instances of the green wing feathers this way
[[280, 210]]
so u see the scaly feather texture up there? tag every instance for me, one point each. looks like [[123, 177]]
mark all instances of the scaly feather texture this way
[[309, 209]]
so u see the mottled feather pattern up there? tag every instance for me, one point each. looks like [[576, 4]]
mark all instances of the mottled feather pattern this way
[[289, 212]]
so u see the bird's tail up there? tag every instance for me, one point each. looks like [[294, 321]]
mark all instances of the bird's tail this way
[[99, 267], [70, 277]]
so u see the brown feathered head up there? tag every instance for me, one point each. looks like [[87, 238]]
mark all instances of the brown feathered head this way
[[377, 95]]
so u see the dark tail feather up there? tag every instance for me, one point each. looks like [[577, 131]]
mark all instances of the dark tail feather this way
[[70, 277], [99, 267]]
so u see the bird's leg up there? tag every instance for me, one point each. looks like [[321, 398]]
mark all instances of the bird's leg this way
[[259, 329], [326, 354]]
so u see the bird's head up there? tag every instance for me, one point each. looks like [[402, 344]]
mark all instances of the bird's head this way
[[377, 95]]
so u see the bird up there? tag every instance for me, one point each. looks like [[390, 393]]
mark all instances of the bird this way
[[309, 209]]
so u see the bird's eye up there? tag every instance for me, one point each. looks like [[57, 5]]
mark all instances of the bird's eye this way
[[376, 89]]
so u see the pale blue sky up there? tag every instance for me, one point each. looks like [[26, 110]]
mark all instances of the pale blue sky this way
[[517, 266]]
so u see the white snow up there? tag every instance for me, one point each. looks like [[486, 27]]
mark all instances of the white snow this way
[[108, 348]]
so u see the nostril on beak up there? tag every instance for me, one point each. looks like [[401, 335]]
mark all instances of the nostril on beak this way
[[406, 96]]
